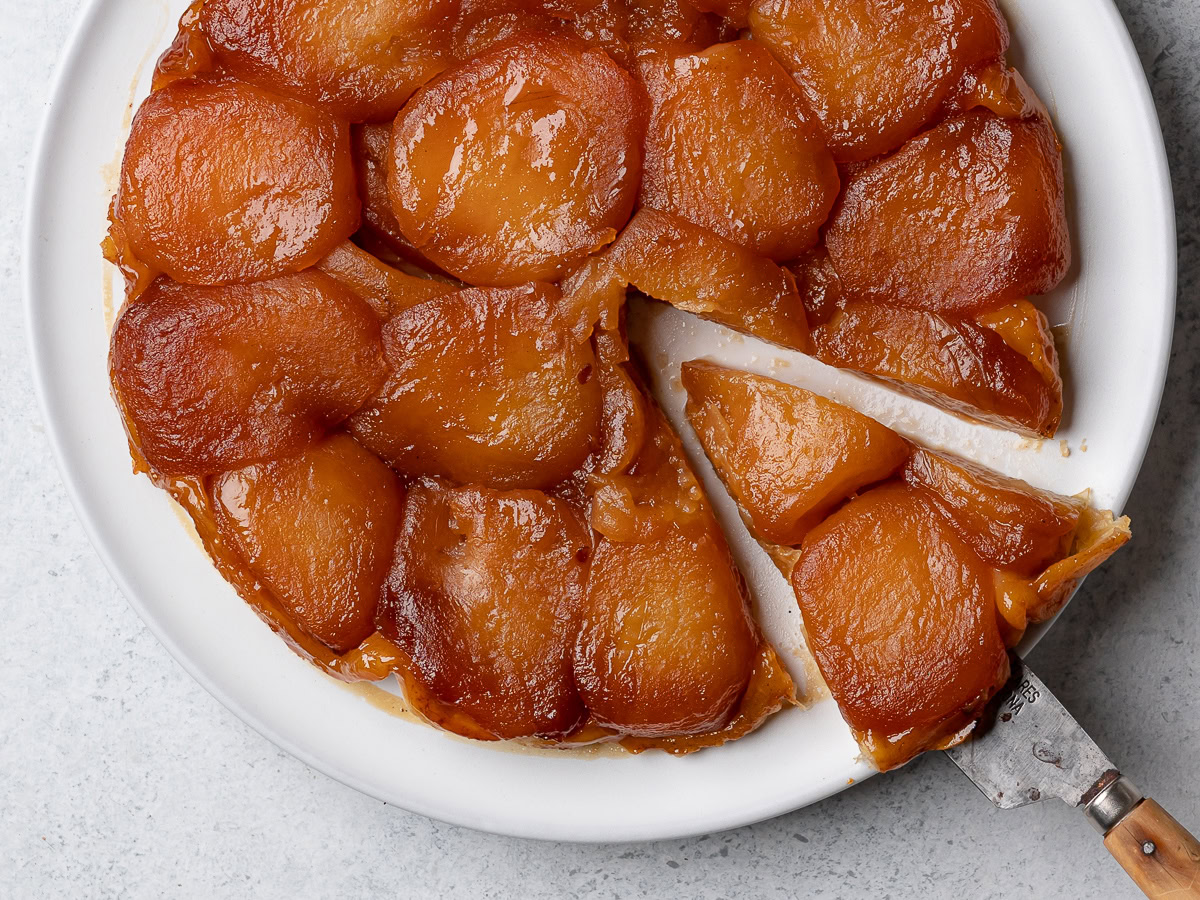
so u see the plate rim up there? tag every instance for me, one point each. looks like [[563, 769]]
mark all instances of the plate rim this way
[[40, 170]]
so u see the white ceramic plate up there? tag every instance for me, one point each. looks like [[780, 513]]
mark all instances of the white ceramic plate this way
[[1117, 306]]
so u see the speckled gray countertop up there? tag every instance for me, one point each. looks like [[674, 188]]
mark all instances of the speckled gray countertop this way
[[121, 777]]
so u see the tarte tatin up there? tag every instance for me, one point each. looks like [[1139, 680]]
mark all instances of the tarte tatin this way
[[377, 255]]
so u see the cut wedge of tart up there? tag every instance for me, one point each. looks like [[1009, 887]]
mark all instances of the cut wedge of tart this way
[[914, 571]]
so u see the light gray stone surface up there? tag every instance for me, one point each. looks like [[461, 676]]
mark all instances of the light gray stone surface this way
[[120, 777]]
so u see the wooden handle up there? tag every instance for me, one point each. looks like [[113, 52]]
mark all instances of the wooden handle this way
[[1158, 853]]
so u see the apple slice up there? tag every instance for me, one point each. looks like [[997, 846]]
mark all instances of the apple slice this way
[[667, 646], [318, 531], [874, 72], [487, 385], [224, 182], [483, 24], [963, 219], [485, 599], [901, 616], [731, 148], [516, 165], [387, 289], [788, 456], [966, 366], [696, 270], [211, 378], [359, 60], [1008, 523]]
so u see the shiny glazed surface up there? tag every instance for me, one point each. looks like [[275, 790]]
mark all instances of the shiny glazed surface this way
[[358, 60], [317, 529], [519, 163], [731, 147], [487, 385], [484, 599], [873, 72], [262, 369], [964, 218], [224, 182]]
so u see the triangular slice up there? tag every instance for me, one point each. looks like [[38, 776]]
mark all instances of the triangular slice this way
[[914, 571]]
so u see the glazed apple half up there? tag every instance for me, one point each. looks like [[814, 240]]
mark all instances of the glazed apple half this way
[[914, 571]]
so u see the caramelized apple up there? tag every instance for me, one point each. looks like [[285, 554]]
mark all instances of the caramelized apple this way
[[224, 182], [361, 60], [519, 163], [485, 599], [730, 148], [666, 646], [736, 13], [488, 385], [623, 418], [482, 24], [372, 148], [387, 289], [318, 530], [874, 72], [211, 378], [1008, 524], [900, 615], [964, 218], [956, 363], [678, 23], [787, 455], [694, 269], [997, 87]]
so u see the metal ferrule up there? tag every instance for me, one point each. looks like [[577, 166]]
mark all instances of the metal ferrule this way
[[1112, 804]]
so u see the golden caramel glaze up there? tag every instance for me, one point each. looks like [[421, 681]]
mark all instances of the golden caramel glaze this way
[[998, 87], [735, 14], [731, 148], [667, 645], [696, 270], [900, 614], [388, 290], [136, 273], [211, 378], [967, 217], [383, 365], [602, 24], [485, 598], [1026, 330], [874, 72], [1009, 524], [318, 531], [1098, 536], [360, 61], [516, 165], [487, 385], [224, 182], [680, 24], [956, 363], [188, 53], [786, 455]]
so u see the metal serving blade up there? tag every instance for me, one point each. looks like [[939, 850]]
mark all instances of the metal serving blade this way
[[1033, 749]]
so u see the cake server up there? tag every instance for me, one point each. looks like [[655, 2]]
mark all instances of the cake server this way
[[1034, 750]]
